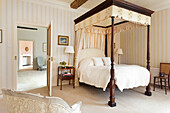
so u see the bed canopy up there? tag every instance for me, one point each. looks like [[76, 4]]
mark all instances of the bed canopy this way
[[110, 17]]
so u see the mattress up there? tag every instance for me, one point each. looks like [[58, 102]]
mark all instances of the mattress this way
[[126, 76]]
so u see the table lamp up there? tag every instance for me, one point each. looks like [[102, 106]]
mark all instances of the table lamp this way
[[119, 52], [69, 50]]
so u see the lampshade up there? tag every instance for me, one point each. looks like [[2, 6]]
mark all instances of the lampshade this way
[[119, 51], [69, 49]]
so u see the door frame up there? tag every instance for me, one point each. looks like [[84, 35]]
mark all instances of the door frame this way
[[15, 49]]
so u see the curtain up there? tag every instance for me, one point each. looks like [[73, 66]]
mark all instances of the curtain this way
[[95, 38], [80, 35], [88, 38]]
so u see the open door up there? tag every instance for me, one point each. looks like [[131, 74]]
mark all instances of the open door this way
[[49, 59]]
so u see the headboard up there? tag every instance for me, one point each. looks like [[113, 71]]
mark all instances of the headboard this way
[[91, 52], [165, 67]]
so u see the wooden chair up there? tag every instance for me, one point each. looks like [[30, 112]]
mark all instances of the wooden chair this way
[[163, 75]]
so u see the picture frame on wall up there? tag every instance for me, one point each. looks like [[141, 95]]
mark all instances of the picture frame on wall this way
[[44, 47], [0, 35], [63, 40]]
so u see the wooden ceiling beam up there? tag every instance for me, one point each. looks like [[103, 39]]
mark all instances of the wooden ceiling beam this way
[[77, 3]]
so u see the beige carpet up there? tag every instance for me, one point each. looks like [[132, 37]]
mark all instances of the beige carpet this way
[[31, 79], [95, 100]]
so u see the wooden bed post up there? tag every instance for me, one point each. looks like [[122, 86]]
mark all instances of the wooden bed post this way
[[148, 89], [112, 102]]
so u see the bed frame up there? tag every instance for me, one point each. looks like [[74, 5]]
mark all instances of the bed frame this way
[[128, 6]]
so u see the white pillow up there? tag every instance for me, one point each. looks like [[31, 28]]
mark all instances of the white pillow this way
[[98, 61], [106, 61], [86, 62], [91, 63]]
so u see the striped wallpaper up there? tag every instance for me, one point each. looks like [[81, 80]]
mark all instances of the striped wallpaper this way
[[32, 12], [134, 42], [160, 37]]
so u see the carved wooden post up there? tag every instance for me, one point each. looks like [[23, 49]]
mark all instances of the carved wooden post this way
[[112, 102], [148, 89]]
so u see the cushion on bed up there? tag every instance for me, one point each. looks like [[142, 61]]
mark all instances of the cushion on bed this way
[[106, 61], [98, 61]]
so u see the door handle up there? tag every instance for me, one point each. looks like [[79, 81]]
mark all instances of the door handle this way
[[50, 58], [15, 58]]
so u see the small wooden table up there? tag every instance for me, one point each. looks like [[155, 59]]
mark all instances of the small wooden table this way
[[62, 77]]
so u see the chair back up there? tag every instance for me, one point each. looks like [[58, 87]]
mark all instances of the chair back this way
[[40, 61], [19, 102], [165, 68]]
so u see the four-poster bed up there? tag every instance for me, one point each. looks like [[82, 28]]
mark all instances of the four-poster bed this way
[[107, 15]]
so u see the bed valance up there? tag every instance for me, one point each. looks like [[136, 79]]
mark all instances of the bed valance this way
[[123, 27], [119, 13]]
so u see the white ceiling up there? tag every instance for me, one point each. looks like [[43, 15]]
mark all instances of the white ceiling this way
[[155, 5]]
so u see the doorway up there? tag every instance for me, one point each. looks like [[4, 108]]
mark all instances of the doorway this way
[[32, 57]]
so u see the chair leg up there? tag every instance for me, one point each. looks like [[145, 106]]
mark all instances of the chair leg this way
[[165, 87], [69, 82], [168, 82], [161, 83], [61, 84], [73, 82], [154, 84], [57, 80]]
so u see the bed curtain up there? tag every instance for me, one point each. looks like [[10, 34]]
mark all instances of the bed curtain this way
[[80, 35], [90, 37]]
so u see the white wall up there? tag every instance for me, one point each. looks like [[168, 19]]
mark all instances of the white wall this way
[[38, 37], [32, 13]]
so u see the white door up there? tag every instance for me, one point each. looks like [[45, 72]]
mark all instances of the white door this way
[[49, 58]]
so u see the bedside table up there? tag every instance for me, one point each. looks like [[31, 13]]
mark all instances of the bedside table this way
[[66, 73]]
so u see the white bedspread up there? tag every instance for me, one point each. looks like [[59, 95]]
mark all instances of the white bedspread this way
[[126, 76]]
